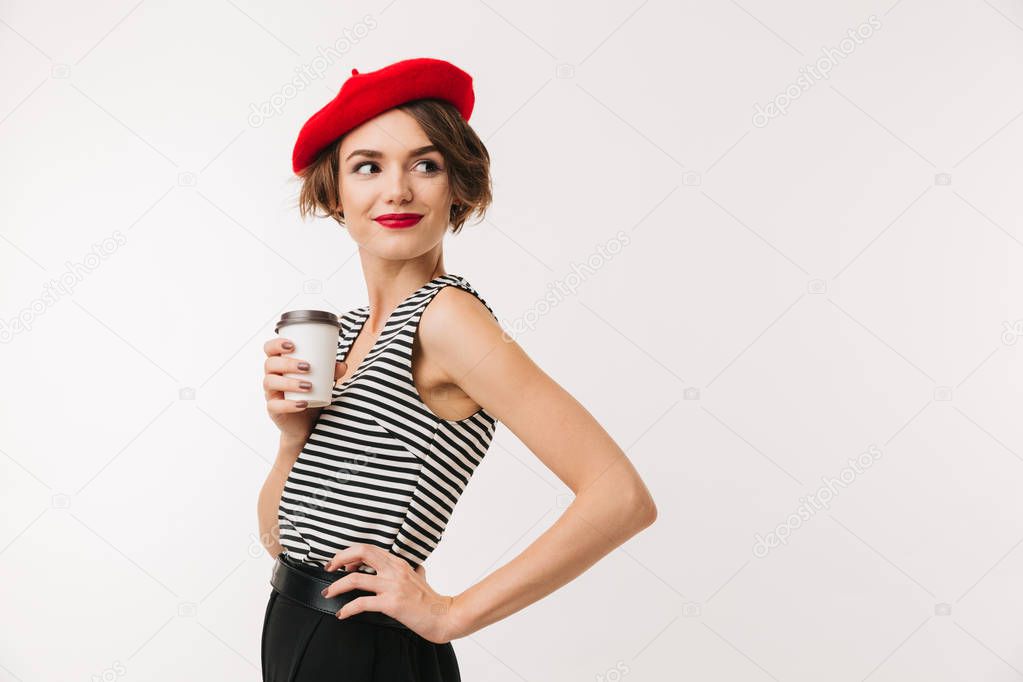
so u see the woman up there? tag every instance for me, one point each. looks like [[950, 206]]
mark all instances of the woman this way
[[363, 488]]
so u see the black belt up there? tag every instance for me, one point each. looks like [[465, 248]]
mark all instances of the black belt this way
[[303, 583]]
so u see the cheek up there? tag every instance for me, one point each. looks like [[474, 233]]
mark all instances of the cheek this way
[[354, 197], [434, 191]]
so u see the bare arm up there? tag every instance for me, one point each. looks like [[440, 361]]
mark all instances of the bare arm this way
[[270, 494], [612, 503]]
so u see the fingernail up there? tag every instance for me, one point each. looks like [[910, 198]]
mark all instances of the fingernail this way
[[303, 365], [324, 592], [301, 403], [305, 384], [288, 345]]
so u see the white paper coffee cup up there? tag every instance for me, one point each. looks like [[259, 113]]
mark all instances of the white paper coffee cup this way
[[315, 335]]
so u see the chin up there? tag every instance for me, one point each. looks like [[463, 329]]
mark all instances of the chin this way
[[402, 249]]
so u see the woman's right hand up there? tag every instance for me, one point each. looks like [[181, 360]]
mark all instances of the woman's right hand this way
[[292, 417]]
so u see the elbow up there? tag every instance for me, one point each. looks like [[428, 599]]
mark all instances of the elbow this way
[[650, 513], [642, 508]]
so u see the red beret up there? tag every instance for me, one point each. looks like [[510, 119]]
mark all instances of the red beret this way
[[365, 95]]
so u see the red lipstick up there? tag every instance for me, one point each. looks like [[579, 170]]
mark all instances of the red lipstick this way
[[399, 220]]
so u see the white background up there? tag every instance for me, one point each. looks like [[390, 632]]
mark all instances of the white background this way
[[846, 276]]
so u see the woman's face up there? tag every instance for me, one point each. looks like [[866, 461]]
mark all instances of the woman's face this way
[[385, 169]]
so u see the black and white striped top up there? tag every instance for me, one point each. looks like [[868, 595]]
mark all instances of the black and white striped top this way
[[379, 466]]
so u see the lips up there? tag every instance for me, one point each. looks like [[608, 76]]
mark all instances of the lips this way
[[399, 220]]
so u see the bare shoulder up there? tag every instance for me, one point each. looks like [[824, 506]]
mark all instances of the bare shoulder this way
[[455, 305], [457, 330], [468, 345]]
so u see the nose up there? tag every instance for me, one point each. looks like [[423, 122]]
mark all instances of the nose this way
[[399, 190]]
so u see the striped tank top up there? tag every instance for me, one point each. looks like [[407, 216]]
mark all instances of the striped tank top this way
[[379, 467]]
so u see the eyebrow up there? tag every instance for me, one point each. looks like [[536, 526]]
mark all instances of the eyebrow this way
[[374, 154]]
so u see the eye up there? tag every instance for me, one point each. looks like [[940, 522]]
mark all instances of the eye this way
[[434, 168], [431, 167]]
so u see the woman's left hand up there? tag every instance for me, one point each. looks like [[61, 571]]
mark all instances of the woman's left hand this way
[[400, 592]]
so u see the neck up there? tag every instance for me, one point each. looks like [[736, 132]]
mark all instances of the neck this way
[[390, 282]]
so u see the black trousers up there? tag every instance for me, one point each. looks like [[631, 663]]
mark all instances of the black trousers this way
[[301, 644]]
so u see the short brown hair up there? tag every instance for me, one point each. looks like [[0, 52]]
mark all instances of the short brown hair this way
[[466, 157]]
